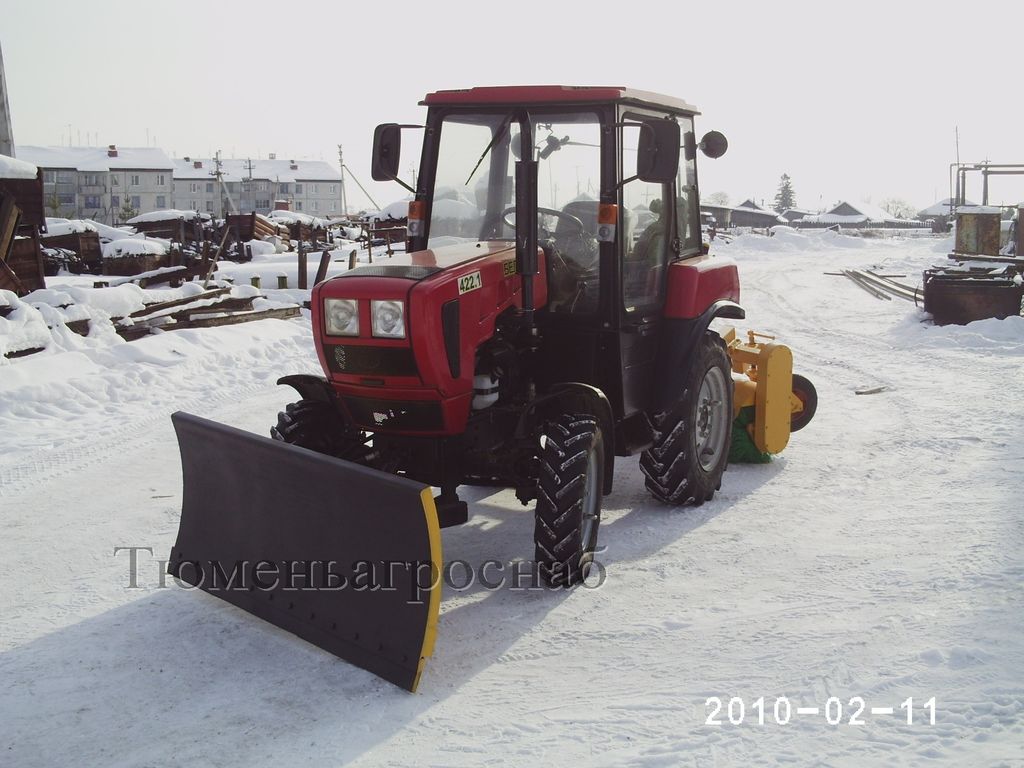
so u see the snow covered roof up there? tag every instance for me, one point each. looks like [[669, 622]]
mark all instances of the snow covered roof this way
[[751, 205], [855, 213], [12, 168], [267, 170], [93, 159], [940, 208]]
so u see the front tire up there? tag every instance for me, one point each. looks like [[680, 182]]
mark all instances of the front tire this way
[[568, 510], [692, 437], [317, 425]]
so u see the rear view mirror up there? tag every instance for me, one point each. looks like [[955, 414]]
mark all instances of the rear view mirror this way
[[387, 151], [658, 151], [714, 144]]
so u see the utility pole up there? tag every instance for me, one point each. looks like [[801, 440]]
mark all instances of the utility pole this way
[[247, 181], [344, 197], [222, 188], [6, 134]]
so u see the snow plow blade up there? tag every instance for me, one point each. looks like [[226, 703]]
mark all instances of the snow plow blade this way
[[345, 557]]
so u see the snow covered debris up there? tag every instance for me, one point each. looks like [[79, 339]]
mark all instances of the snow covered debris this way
[[21, 329], [171, 214], [261, 249], [294, 217], [55, 227], [396, 210], [133, 247], [108, 233]]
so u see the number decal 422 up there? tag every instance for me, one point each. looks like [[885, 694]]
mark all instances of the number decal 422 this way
[[470, 282]]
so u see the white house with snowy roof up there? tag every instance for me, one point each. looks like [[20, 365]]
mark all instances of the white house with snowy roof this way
[[856, 215], [309, 186], [95, 182]]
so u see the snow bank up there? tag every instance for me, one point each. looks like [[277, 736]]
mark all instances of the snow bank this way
[[982, 337], [133, 247], [12, 168], [787, 239]]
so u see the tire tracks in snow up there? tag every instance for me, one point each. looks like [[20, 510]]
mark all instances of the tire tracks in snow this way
[[43, 466]]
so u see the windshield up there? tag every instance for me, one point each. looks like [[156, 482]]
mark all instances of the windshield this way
[[474, 180], [474, 185]]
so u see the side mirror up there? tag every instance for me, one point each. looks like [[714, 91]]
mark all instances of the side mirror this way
[[387, 152], [658, 151], [714, 144]]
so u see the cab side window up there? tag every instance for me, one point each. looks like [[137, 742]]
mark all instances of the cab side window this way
[[687, 213]]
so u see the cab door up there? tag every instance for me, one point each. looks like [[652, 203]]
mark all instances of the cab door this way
[[646, 244]]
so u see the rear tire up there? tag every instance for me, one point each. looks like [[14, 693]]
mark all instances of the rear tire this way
[[568, 510], [693, 436], [317, 426]]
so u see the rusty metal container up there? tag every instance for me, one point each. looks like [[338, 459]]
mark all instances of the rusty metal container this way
[[977, 233], [962, 297]]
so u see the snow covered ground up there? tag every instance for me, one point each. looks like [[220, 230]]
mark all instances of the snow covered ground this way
[[880, 557]]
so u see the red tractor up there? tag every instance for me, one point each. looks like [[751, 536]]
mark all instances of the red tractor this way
[[551, 312]]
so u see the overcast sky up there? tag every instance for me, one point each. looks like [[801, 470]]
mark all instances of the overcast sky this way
[[856, 101]]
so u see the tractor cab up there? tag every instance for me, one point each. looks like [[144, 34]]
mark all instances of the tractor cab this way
[[610, 182]]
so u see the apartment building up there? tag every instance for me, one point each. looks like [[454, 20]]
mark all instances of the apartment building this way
[[97, 182], [310, 186]]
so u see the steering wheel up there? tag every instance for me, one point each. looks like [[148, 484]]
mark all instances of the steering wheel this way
[[576, 223]]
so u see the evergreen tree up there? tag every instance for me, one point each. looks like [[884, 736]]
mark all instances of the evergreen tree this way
[[127, 211], [53, 203], [785, 198]]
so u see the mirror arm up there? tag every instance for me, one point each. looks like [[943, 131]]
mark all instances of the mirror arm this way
[[407, 186], [624, 182]]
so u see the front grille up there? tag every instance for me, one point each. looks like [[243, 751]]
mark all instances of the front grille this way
[[362, 360], [413, 415]]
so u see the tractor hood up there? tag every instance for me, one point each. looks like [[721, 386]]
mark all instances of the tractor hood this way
[[423, 264]]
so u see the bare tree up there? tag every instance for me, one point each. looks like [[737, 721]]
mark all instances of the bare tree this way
[[899, 208]]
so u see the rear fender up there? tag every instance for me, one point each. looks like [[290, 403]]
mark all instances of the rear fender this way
[[678, 340], [574, 397]]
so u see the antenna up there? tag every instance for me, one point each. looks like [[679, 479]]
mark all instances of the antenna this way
[[344, 197]]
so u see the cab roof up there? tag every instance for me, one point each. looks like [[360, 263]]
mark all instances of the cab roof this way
[[553, 94]]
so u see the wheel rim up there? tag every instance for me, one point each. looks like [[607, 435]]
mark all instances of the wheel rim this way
[[591, 505], [711, 419]]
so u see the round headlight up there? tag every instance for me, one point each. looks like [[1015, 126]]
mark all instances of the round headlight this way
[[388, 319], [342, 317]]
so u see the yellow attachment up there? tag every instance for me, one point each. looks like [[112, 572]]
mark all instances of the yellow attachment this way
[[436, 564], [769, 387]]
